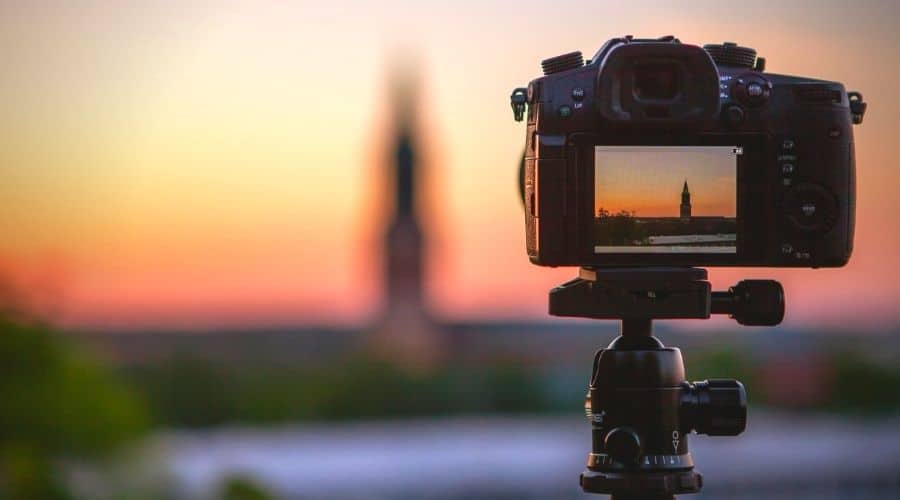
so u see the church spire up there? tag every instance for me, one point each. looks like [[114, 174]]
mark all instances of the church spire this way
[[403, 240], [685, 202], [405, 332], [402, 162]]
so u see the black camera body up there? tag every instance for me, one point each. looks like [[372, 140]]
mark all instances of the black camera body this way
[[658, 153]]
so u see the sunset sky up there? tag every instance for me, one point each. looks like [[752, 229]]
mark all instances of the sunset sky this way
[[648, 180], [190, 165]]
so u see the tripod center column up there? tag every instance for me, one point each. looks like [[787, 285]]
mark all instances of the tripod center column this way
[[637, 327]]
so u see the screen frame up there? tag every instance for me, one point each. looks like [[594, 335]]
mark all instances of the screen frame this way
[[751, 213], [616, 160]]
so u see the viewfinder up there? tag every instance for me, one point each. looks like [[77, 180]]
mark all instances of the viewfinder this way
[[656, 81]]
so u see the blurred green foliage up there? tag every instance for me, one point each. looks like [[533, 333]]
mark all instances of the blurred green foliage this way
[[187, 392], [860, 386], [57, 403], [242, 488], [722, 363], [851, 381], [193, 393]]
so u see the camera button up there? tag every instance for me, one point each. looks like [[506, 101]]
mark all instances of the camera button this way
[[787, 157], [734, 115], [754, 89]]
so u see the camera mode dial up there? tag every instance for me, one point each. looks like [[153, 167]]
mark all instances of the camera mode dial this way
[[565, 62], [731, 54]]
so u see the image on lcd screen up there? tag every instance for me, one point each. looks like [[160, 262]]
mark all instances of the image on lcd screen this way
[[665, 199]]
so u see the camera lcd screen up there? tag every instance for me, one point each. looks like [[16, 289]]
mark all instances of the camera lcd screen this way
[[665, 199]]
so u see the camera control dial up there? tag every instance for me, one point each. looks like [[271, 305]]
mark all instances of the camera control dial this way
[[811, 208], [751, 90], [565, 62], [731, 54]]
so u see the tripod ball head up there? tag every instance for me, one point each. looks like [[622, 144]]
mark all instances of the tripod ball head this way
[[642, 409], [639, 402]]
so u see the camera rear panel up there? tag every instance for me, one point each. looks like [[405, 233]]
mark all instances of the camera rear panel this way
[[608, 194]]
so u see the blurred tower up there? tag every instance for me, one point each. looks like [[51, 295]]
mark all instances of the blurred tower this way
[[406, 333], [403, 245], [685, 203]]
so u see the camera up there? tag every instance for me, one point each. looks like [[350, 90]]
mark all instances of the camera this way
[[659, 153]]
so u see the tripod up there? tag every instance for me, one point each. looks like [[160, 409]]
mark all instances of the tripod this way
[[640, 406]]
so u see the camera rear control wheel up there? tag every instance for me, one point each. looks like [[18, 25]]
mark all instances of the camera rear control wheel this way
[[811, 208]]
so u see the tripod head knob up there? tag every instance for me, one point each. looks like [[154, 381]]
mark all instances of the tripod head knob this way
[[751, 302], [716, 407], [624, 445]]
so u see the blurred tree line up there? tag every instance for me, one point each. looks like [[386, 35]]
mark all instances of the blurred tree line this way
[[57, 404], [841, 381], [188, 392], [185, 392]]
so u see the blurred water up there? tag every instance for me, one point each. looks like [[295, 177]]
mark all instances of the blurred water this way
[[779, 456]]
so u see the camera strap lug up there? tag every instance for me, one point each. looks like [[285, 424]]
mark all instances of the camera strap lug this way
[[518, 99], [857, 107]]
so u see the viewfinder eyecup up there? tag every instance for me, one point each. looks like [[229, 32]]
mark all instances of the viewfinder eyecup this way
[[657, 83]]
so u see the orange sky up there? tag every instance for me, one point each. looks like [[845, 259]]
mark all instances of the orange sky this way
[[649, 181], [180, 165]]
